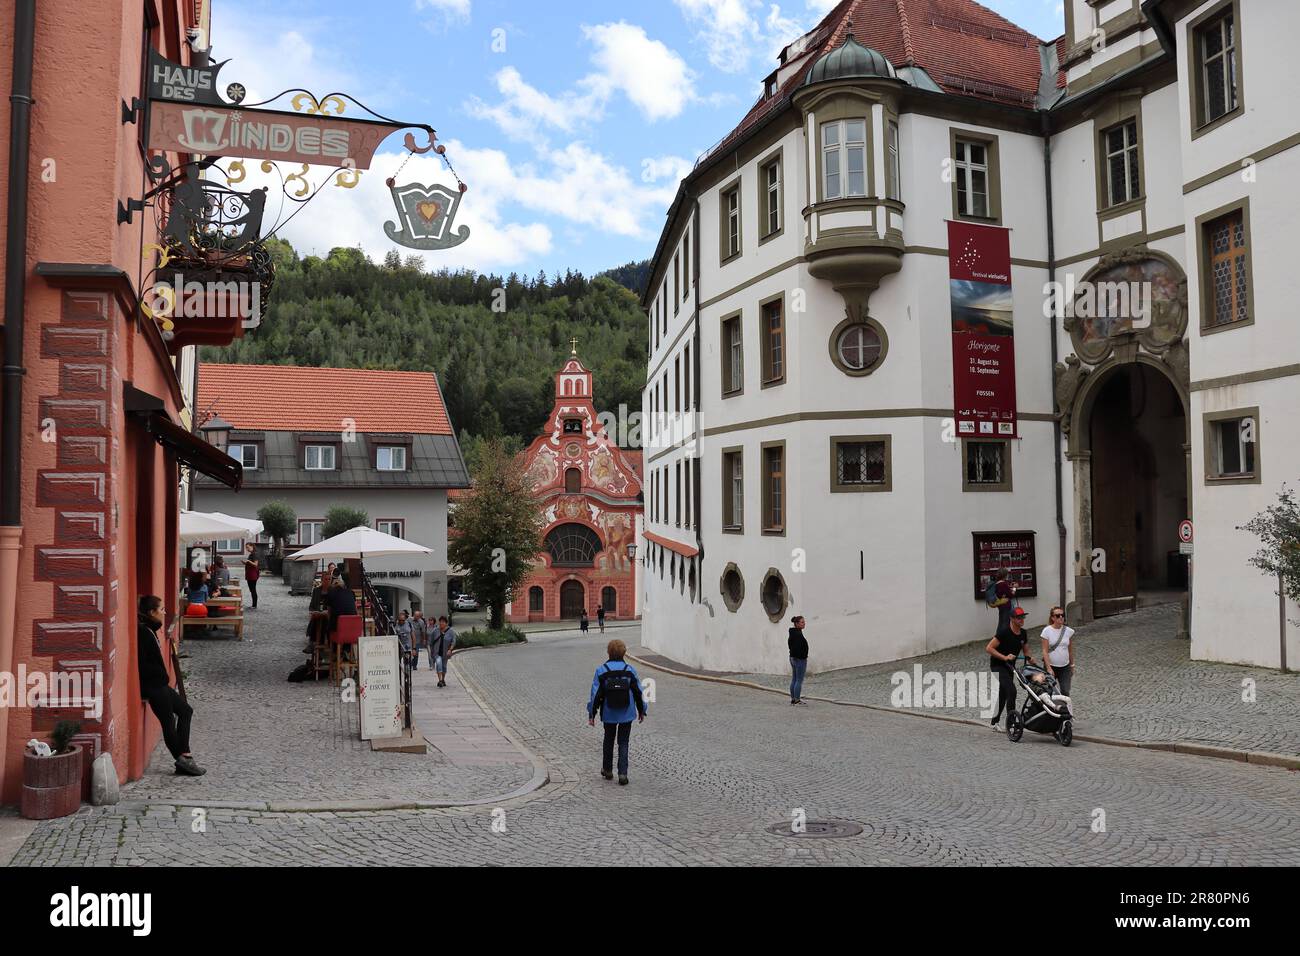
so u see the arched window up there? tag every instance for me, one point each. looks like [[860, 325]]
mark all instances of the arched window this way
[[573, 481], [536, 600], [609, 601], [573, 546]]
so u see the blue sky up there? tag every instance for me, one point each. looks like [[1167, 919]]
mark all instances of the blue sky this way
[[572, 122]]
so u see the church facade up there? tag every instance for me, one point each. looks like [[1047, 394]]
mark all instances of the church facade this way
[[952, 300], [589, 493]]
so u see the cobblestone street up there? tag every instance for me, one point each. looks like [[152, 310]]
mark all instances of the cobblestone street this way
[[1134, 681], [713, 767]]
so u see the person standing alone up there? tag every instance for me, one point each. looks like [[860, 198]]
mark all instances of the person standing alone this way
[[252, 571], [616, 694], [171, 709], [442, 640], [798, 659]]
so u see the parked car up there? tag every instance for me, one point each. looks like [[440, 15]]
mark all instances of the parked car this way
[[465, 602]]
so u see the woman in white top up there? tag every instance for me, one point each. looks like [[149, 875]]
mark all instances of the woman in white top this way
[[1058, 649]]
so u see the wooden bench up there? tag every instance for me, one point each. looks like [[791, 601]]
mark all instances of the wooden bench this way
[[219, 620]]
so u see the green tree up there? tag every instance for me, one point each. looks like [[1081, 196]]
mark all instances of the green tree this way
[[279, 523], [498, 529], [1278, 528], [342, 518]]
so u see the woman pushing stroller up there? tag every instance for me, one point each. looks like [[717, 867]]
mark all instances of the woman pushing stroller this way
[[1009, 642]]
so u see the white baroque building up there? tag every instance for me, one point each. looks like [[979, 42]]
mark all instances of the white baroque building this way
[[802, 455]]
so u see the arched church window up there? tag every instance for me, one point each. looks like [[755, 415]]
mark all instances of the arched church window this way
[[573, 546]]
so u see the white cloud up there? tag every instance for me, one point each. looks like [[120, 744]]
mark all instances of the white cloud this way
[[651, 75], [447, 12], [733, 31], [524, 110], [655, 168]]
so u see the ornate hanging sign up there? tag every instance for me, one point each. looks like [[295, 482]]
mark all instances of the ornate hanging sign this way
[[425, 214]]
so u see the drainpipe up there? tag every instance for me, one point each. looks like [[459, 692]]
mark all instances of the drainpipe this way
[[11, 374], [696, 480], [1056, 423]]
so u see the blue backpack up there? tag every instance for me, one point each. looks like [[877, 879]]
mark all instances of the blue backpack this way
[[991, 594]]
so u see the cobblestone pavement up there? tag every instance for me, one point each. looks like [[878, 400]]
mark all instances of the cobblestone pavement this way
[[263, 739], [1134, 681], [715, 765]]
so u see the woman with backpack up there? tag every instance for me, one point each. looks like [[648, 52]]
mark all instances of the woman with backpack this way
[[616, 694]]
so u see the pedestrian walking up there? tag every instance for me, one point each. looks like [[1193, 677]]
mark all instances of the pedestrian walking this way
[[1003, 650], [171, 709], [252, 571], [798, 658], [402, 628], [1058, 650], [583, 622], [419, 638], [441, 643], [600, 617], [616, 695]]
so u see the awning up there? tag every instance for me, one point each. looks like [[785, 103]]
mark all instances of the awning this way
[[187, 448], [685, 550]]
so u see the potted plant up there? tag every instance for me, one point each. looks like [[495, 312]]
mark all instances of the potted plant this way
[[52, 782], [279, 522]]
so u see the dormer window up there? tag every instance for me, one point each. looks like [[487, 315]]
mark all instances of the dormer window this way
[[390, 458], [320, 458], [573, 426], [245, 454], [769, 88]]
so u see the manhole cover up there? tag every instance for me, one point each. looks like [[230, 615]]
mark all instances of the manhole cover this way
[[819, 829]]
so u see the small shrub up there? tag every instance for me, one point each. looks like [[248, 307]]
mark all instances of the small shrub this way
[[489, 638], [61, 736]]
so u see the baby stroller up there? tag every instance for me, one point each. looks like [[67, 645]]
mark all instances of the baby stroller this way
[[1045, 710]]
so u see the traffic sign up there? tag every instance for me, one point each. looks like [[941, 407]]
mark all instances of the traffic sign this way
[[1185, 531]]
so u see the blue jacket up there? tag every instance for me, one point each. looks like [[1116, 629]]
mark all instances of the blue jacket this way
[[634, 706]]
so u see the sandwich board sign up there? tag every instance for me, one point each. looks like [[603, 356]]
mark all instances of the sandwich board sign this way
[[380, 687]]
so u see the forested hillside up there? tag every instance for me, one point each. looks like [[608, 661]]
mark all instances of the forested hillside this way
[[495, 342]]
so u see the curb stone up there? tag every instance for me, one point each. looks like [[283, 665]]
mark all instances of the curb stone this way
[[1258, 758]]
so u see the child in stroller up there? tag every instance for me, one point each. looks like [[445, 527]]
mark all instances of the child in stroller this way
[[1045, 710]]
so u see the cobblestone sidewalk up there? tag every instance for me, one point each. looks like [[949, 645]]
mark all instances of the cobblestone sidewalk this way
[[263, 739], [1134, 680]]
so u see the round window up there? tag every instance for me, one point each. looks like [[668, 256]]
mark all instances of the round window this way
[[773, 595], [859, 347], [733, 587]]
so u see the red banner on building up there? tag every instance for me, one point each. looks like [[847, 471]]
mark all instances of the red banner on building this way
[[983, 336]]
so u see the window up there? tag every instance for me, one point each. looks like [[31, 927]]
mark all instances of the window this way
[[732, 586], [733, 490], [731, 222], [311, 532], [394, 526], [677, 281], [893, 171], [1232, 446], [857, 347], [688, 493], [772, 331], [229, 545], [972, 170], [773, 595], [677, 499], [663, 483], [573, 426], [988, 466], [677, 383], [686, 376], [390, 458], [572, 481], [1121, 146], [769, 183], [1225, 268], [245, 454], [844, 159], [774, 497], [1216, 68], [573, 546], [733, 356], [686, 263], [536, 600], [320, 458], [861, 463]]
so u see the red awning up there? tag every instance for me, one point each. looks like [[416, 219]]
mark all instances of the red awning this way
[[685, 550]]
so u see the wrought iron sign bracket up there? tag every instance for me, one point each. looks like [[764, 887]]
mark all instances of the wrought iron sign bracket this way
[[131, 113], [125, 212]]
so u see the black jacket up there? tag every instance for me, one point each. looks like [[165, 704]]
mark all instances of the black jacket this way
[[798, 644], [153, 671]]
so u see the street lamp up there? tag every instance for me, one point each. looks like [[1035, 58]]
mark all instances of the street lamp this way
[[631, 553]]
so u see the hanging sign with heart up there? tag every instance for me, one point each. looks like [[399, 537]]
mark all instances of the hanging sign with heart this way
[[425, 215]]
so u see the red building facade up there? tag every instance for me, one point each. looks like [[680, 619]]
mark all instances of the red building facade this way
[[589, 491]]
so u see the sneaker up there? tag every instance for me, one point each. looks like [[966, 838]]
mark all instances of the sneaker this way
[[801, 702], [622, 780], [607, 774], [186, 767], [993, 724]]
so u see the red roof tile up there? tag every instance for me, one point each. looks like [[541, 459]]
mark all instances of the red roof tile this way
[[289, 398]]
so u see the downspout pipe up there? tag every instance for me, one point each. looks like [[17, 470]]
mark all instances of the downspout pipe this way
[[1056, 422], [696, 365], [12, 371]]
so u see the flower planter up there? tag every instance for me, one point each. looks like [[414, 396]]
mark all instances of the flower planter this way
[[52, 785]]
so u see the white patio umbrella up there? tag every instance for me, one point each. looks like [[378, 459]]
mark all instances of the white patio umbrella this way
[[252, 526], [359, 543], [199, 526]]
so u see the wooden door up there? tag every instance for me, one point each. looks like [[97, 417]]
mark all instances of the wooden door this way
[[1114, 505], [571, 599]]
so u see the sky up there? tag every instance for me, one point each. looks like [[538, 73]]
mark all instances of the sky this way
[[571, 121]]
